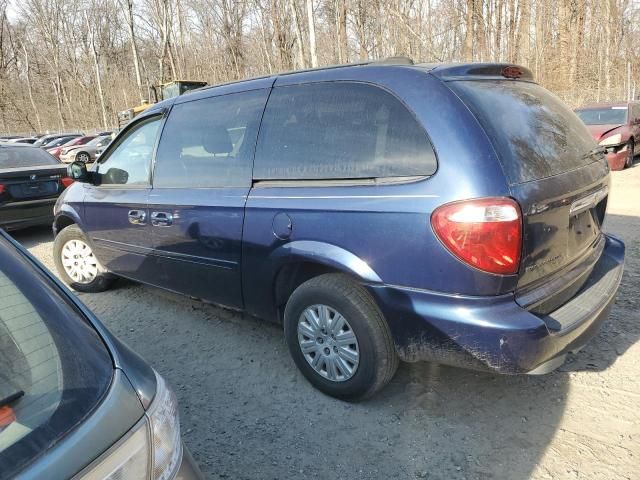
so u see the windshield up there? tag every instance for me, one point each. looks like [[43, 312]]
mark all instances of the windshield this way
[[54, 368], [534, 133], [18, 157], [603, 116]]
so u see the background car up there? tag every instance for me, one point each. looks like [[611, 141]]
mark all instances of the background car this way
[[45, 140], [55, 151], [30, 182], [615, 126], [84, 153], [56, 142], [29, 140], [75, 401]]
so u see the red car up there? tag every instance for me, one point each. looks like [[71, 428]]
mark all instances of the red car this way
[[615, 126], [55, 151]]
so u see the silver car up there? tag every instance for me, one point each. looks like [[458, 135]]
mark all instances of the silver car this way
[[84, 153], [74, 401]]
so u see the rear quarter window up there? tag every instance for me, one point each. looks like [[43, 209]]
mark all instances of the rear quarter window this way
[[340, 130], [535, 134]]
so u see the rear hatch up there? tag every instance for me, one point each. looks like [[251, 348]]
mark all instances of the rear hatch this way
[[29, 173], [558, 175]]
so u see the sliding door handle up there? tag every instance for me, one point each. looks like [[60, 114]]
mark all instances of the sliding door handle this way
[[161, 219], [137, 217]]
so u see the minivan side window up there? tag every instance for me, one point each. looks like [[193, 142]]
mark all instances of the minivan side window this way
[[129, 163], [210, 142], [340, 130]]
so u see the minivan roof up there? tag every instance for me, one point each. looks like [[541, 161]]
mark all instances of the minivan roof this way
[[448, 71], [443, 71]]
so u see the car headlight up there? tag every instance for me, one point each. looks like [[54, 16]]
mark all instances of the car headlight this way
[[152, 450], [612, 140], [165, 432]]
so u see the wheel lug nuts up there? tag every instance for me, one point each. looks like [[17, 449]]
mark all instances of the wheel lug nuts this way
[[335, 349], [327, 351], [320, 340]]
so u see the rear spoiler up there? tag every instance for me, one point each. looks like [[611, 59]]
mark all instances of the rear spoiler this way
[[480, 71]]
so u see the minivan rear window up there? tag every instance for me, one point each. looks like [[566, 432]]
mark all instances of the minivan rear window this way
[[535, 134], [340, 130]]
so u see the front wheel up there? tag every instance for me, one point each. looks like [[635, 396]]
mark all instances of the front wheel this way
[[76, 264], [630, 154], [338, 337]]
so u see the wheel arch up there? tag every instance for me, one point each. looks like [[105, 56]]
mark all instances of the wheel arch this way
[[299, 261], [63, 220]]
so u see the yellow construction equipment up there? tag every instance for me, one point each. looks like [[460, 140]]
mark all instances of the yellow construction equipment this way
[[158, 93]]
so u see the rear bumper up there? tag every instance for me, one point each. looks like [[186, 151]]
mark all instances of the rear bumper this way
[[495, 333], [27, 213]]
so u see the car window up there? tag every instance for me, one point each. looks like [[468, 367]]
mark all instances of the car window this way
[[54, 368], [18, 157], [210, 142], [129, 163], [340, 130], [535, 134], [603, 116]]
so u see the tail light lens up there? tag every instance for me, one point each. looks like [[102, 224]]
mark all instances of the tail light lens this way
[[1, 189], [66, 181], [484, 233]]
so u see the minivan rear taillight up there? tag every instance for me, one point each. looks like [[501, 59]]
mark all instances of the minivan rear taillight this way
[[485, 233]]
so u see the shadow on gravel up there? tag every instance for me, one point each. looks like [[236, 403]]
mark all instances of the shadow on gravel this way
[[33, 236]]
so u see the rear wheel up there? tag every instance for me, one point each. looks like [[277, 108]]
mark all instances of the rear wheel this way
[[338, 337], [76, 264], [630, 154]]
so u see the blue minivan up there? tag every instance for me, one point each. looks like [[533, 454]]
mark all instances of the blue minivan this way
[[381, 212]]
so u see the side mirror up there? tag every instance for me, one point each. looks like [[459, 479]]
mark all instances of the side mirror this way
[[115, 176], [77, 171]]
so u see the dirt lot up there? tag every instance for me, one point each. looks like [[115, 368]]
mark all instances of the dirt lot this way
[[248, 413]]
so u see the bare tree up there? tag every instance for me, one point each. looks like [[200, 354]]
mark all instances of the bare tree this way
[[75, 63]]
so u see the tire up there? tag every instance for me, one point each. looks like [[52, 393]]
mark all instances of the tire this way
[[83, 157], [73, 236], [377, 358], [628, 163]]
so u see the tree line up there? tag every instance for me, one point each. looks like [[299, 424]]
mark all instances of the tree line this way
[[73, 64]]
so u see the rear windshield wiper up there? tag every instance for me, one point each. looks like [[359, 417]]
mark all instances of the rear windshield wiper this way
[[11, 398]]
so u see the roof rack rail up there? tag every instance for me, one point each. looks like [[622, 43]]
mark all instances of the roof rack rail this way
[[396, 60]]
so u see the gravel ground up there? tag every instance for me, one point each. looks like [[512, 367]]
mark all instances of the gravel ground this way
[[248, 413]]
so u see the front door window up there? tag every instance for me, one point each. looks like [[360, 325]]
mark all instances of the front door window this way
[[129, 163]]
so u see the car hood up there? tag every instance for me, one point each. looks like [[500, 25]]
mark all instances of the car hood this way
[[72, 148], [599, 132]]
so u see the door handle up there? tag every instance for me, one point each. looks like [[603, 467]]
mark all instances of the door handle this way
[[161, 219], [137, 217]]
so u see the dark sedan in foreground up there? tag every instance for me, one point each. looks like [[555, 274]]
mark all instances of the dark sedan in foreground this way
[[74, 401], [30, 182]]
